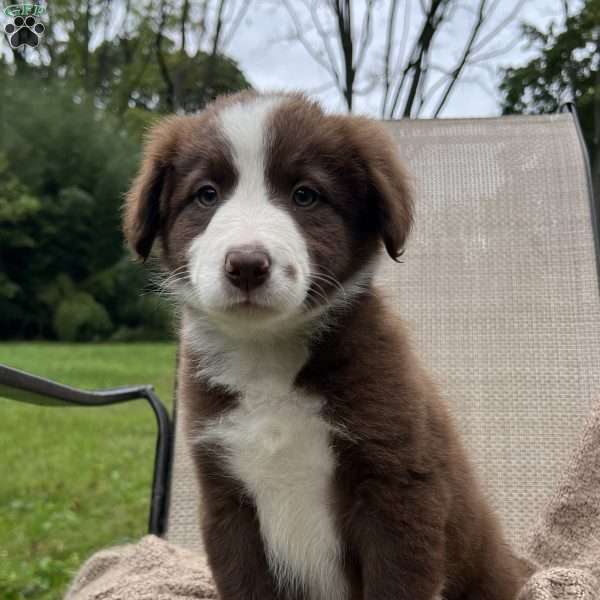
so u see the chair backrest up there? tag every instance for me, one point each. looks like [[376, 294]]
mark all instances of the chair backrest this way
[[499, 287]]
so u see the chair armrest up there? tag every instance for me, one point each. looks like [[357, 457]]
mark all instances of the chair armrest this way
[[25, 387]]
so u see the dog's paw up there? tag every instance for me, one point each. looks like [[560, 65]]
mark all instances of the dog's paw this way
[[24, 32]]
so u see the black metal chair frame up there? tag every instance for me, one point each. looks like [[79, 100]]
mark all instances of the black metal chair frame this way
[[24, 387]]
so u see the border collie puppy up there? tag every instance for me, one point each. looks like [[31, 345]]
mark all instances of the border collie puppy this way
[[329, 467]]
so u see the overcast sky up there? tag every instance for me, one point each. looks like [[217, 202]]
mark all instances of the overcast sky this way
[[271, 62], [271, 59]]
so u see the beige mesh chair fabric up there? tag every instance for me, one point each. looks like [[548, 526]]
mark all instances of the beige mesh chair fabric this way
[[499, 288]]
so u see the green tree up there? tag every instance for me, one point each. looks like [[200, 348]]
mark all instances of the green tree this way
[[72, 112], [76, 164], [140, 82], [565, 69], [17, 207], [147, 56]]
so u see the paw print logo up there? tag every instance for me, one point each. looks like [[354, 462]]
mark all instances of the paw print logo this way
[[24, 31]]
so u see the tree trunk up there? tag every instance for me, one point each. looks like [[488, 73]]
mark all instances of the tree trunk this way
[[212, 57], [344, 22], [162, 65], [86, 46], [419, 65]]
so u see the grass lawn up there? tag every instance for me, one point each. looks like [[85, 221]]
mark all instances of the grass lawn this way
[[74, 480]]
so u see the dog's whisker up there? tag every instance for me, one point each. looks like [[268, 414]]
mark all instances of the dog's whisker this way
[[177, 273], [317, 272], [336, 284], [315, 294]]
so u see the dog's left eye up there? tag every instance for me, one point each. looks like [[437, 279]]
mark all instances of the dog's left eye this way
[[207, 196], [305, 196]]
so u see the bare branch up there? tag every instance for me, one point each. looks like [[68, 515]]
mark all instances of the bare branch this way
[[101, 68], [325, 37], [86, 44], [498, 52], [366, 34], [500, 26], [492, 9], [402, 78], [135, 82], [184, 17], [402, 74], [342, 47], [338, 52], [218, 28], [202, 23], [405, 31], [414, 59], [309, 49], [343, 13], [236, 22], [435, 87], [489, 69], [389, 40], [464, 58], [424, 42], [421, 95], [439, 69], [212, 57], [164, 71], [229, 11], [126, 17]]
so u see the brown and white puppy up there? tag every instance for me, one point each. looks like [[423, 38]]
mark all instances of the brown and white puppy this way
[[330, 468]]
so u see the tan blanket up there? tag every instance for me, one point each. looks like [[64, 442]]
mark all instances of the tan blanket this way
[[565, 548], [566, 543]]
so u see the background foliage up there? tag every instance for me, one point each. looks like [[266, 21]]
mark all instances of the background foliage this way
[[565, 68], [72, 115]]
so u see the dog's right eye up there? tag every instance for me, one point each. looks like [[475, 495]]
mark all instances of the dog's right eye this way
[[206, 196]]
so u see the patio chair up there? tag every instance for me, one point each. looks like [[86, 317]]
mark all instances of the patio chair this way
[[500, 289]]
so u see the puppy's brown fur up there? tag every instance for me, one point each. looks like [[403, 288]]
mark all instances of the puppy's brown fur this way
[[412, 519]]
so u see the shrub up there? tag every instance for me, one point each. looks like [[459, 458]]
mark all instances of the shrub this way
[[124, 289], [76, 163], [79, 318]]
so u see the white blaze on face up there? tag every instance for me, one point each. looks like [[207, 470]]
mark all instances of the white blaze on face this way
[[249, 217], [276, 441]]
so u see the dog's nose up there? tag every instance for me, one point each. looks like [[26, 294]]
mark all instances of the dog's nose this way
[[247, 267]]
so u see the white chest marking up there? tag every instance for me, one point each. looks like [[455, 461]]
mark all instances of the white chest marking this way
[[279, 446]]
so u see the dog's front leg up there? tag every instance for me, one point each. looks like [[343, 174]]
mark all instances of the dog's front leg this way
[[400, 543], [232, 539]]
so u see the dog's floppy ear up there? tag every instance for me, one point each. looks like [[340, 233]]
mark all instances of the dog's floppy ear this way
[[390, 186], [145, 203]]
